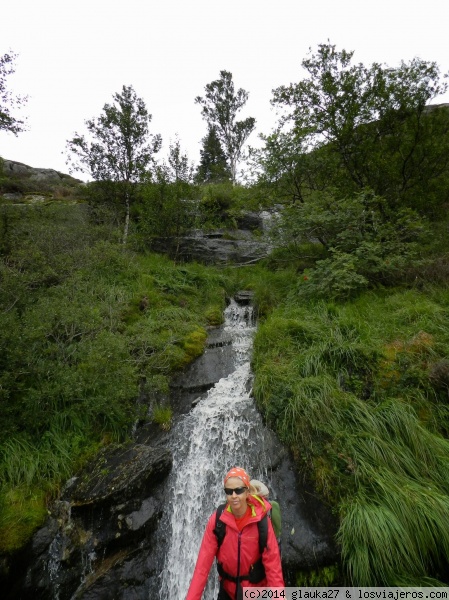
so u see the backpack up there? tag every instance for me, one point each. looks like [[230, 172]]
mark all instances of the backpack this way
[[257, 570]]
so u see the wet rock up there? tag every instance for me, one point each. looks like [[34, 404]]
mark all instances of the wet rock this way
[[308, 525], [217, 361], [244, 297], [118, 475], [250, 221], [103, 523]]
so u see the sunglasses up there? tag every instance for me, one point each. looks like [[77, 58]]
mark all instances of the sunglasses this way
[[238, 491]]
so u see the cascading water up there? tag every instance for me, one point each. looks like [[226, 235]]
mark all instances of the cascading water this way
[[224, 429]]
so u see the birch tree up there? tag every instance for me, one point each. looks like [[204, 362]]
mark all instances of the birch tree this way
[[119, 146], [220, 106]]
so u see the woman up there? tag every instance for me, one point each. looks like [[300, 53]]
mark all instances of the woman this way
[[238, 552]]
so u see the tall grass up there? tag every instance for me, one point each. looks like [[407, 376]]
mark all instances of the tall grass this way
[[25, 462], [348, 388]]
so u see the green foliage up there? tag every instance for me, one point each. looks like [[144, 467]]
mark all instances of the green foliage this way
[[215, 204], [324, 577], [8, 122], [335, 277], [214, 315], [347, 127], [121, 147], [213, 167], [78, 347], [162, 416], [219, 108], [364, 243], [221, 204], [350, 388], [168, 205], [194, 344], [22, 511]]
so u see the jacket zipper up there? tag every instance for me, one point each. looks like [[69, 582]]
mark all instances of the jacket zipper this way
[[238, 565]]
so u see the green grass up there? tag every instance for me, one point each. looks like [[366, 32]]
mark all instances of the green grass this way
[[77, 347], [162, 415], [22, 511], [349, 388]]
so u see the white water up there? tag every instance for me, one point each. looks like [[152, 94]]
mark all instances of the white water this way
[[223, 430]]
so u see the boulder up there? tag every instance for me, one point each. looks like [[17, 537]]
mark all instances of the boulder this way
[[99, 533]]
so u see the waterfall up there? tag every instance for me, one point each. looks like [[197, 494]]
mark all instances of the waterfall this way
[[223, 430]]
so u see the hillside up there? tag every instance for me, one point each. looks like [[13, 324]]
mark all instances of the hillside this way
[[19, 181], [355, 385]]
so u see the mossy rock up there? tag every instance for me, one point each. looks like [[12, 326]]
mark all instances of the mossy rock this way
[[214, 316], [194, 343]]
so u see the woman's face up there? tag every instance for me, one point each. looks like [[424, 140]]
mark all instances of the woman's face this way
[[236, 501]]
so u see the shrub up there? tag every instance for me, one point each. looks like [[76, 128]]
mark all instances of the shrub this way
[[366, 242]]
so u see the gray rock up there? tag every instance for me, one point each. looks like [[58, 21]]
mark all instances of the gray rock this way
[[36, 178], [118, 475], [102, 524], [12, 196], [250, 221], [217, 247]]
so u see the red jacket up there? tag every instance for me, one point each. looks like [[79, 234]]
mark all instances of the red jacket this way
[[228, 553]]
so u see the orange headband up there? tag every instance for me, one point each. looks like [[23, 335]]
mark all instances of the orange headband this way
[[240, 473]]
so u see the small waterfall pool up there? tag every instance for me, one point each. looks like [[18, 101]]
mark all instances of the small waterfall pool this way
[[224, 429]]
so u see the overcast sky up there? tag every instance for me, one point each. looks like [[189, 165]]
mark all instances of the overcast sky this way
[[74, 56]]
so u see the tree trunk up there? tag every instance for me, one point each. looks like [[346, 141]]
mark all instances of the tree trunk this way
[[125, 231], [233, 169]]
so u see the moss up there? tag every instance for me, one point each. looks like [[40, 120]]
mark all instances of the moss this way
[[214, 316], [23, 512], [194, 344], [323, 577]]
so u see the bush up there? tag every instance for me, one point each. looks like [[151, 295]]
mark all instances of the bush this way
[[367, 244]]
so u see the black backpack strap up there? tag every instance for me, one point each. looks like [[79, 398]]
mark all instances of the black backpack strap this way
[[220, 527], [257, 570], [263, 533]]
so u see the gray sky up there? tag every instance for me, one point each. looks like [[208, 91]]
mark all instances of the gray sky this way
[[74, 56]]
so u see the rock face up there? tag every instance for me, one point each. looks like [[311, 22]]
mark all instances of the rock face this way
[[13, 168], [243, 245], [17, 169], [98, 541], [25, 179], [308, 526]]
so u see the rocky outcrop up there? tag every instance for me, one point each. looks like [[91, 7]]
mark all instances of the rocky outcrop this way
[[99, 537], [17, 169], [22, 179], [237, 246]]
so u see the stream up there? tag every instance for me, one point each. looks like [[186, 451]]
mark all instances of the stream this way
[[223, 430]]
